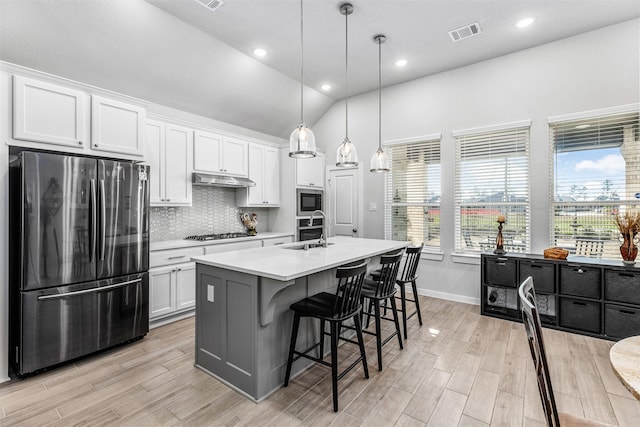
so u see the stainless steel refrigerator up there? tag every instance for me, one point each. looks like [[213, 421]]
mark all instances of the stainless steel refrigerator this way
[[79, 255]]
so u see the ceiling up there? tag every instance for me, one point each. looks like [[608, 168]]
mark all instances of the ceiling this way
[[179, 54], [416, 30]]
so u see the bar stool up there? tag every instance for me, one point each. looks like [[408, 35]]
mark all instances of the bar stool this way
[[335, 309], [379, 291]]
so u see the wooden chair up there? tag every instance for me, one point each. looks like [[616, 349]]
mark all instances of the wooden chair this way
[[590, 248], [531, 320], [407, 275], [379, 292], [333, 308]]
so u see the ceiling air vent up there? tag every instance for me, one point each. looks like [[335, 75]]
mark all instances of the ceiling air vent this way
[[211, 4], [465, 32]]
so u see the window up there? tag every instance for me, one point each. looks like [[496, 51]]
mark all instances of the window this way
[[492, 179], [412, 192], [595, 166]]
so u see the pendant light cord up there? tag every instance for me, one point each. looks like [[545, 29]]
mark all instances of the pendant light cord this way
[[379, 94], [301, 63], [346, 75]]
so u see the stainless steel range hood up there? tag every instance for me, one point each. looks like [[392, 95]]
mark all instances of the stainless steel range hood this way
[[222, 181]]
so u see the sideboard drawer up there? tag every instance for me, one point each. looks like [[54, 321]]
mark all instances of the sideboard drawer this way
[[580, 281], [580, 314], [500, 271], [620, 321], [543, 274], [173, 256], [622, 286]]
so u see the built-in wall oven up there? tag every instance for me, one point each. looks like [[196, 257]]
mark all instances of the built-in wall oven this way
[[308, 231], [309, 201]]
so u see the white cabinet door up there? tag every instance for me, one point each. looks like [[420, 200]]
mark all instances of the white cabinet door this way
[[235, 154], [271, 176], [48, 113], [116, 127], [154, 153], [162, 296], [177, 167], [310, 172], [207, 148], [185, 286], [256, 173]]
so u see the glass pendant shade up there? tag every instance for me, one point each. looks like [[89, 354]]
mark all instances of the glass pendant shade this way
[[379, 162], [346, 155], [302, 142]]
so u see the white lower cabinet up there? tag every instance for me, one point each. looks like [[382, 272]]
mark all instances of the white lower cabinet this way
[[171, 289]]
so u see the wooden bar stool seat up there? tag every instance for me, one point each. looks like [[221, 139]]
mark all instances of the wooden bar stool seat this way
[[335, 309]]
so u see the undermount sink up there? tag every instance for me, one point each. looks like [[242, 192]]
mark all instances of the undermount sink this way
[[301, 246]]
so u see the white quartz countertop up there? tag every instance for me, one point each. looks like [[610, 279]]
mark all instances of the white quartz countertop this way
[[176, 244], [282, 263]]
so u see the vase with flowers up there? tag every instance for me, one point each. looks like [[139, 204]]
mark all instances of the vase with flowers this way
[[629, 226]]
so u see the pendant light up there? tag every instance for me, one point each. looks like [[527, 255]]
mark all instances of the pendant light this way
[[302, 141], [379, 160], [346, 155]]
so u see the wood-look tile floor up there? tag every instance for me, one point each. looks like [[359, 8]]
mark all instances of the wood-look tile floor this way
[[458, 369]]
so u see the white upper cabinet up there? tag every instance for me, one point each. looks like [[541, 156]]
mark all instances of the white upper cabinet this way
[[116, 127], [48, 113], [220, 154], [168, 150], [61, 118], [310, 172], [264, 169]]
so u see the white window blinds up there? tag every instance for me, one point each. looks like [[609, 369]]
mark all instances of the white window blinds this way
[[595, 166], [492, 179], [412, 193]]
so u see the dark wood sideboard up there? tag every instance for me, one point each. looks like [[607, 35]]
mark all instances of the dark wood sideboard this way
[[600, 298]]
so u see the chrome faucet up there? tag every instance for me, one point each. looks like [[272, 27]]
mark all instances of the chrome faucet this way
[[323, 237]]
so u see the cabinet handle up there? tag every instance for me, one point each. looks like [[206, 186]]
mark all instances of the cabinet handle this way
[[626, 274], [584, 304], [311, 184], [278, 243], [578, 270], [177, 257], [179, 269], [95, 145], [536, 266], [627, 312], [80, 142]]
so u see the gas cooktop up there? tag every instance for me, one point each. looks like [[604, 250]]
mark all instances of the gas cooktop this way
[[216, 236]]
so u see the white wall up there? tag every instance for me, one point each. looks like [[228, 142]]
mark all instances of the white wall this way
[[591, 71]]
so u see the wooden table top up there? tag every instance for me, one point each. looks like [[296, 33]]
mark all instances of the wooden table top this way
[[625, 360]]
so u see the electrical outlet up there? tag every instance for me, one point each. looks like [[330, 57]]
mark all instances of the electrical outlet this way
[[373, 206], [210, 294]]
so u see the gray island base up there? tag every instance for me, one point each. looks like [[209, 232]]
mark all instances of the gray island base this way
[[243, 321]]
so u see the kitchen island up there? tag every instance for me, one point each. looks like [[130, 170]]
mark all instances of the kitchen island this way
[[243, 321]]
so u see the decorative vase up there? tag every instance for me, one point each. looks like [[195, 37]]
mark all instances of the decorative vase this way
[[628, 249]]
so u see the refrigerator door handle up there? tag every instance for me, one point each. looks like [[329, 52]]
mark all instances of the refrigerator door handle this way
[[94, 212], [103, 224], [88, 291]]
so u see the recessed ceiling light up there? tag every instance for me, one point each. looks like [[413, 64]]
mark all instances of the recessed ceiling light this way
[[401, 62], [325, 87], [259, 52], [525, 22]]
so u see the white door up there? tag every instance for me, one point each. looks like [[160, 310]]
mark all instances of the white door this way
[[116, 127], [186, 286], [235, 153], [342, 189], [178, 164], [161, 291]]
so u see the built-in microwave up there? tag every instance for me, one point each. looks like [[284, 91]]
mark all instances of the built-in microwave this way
[[309, 201]]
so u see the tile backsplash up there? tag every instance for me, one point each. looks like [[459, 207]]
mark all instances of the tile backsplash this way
[[213, 210]]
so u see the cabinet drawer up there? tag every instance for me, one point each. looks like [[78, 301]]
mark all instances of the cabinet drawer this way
[[620, 321], [580, 314], [580, 281], [622, 286], [172, 256], [543, 274], [500, 271]]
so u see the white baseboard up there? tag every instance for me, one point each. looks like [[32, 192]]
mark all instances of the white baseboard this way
[[450, 297]]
